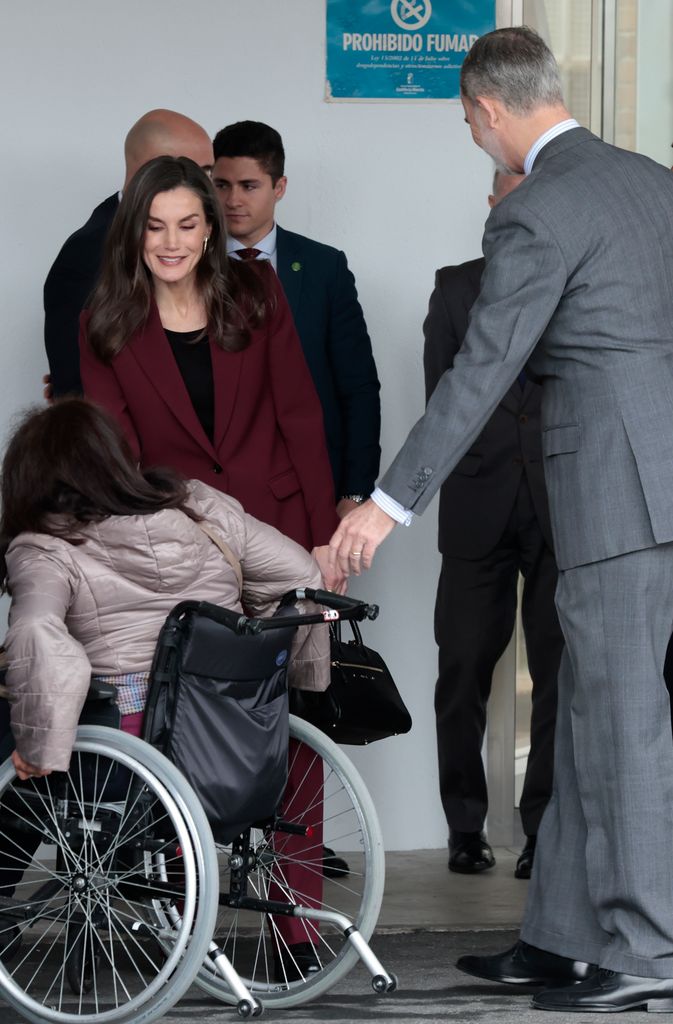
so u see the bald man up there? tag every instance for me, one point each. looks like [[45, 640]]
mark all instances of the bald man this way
[[75, 269]]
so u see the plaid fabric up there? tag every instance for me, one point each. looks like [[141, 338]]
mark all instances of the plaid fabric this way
[[131, 690]]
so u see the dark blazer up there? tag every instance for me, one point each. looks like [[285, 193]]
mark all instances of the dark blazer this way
[[66, 291], [269, 448], [477, 498], [322, 296]]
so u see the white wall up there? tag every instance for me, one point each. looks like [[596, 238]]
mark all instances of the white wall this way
[[400, 187]]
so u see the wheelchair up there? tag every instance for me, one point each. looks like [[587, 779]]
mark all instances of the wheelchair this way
[[115, 898]]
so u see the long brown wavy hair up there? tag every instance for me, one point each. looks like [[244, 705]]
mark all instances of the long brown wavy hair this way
[[68, 465], [234, 293]]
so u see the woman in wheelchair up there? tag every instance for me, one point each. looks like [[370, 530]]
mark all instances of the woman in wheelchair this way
[[95, 552]]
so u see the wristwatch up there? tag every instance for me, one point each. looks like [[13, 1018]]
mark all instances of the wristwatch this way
[[357, 498]]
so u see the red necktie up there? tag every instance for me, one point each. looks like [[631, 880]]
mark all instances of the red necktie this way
[[247, 254]]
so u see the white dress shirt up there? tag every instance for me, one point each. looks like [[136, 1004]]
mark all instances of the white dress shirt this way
[[551, 133], [266, 246]]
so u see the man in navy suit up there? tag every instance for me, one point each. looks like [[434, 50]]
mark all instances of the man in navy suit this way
[[493, 525], [73, 274], [249, 176]]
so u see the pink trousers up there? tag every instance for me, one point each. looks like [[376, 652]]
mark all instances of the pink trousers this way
[[302, 872]]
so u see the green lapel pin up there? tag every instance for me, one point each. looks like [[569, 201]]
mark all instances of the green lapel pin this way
[[296, 265]]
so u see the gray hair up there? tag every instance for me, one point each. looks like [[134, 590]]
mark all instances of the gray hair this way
[[515, 66]]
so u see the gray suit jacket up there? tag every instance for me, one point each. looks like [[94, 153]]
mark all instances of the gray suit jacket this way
[[578, 279]]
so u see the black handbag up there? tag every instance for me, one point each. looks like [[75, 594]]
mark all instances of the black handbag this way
[[362, 703]]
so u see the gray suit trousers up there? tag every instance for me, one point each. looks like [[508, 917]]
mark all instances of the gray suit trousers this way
[[602, 887]]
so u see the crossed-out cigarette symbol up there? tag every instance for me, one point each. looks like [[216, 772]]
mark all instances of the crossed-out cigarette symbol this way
[[404, 10]]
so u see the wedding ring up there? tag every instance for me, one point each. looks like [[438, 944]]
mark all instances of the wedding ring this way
[[356, 554]]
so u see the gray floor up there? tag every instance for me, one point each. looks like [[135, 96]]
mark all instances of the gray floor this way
[[422, 894], [429, 918]]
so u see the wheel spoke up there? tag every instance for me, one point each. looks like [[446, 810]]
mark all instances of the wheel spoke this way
[[334, 804], [93, 944]]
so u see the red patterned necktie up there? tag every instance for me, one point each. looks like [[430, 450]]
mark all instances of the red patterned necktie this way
[[247, 254]]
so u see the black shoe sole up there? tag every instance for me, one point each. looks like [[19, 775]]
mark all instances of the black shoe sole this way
[[473, 869], [656, 1005]]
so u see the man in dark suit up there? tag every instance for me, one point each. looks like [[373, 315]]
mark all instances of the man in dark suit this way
[[493, 524], [249, 175], [74, 271], [577, 284]]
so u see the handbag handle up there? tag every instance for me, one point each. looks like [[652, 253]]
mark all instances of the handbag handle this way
[[226, 551], [335, 631]]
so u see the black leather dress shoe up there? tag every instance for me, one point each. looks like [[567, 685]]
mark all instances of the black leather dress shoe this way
[[524, 865], [609, 992], [297, 963], [526, 966], [469, 853], [333, 866]]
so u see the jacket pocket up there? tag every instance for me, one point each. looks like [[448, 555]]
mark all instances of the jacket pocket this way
[[284, 484], [560, 440], [469, 465]]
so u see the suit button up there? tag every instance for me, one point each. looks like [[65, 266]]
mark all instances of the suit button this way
[[523, 418], [217, 468]]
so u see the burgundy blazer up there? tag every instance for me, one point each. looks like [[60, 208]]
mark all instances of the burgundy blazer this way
[[269, 450]]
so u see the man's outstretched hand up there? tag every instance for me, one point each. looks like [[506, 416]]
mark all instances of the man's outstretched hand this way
[[357, 537]]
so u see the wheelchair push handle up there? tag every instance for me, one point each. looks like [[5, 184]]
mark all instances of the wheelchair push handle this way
[[354, 608], [234, 621], [337, 607]]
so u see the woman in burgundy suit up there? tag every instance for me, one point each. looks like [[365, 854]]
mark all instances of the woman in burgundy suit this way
[[197, 355], [198, 358]]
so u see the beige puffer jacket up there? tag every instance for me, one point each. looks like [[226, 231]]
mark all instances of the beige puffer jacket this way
[[98, 607]]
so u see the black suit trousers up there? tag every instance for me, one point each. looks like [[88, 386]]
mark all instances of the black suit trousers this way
[[475, 615]]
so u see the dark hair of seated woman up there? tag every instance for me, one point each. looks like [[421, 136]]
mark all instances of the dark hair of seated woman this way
[[70, 464]]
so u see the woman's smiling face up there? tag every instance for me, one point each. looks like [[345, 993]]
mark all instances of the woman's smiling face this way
[[174, 235]]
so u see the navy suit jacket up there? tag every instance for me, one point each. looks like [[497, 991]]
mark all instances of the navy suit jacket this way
[[478, 496], [322, 296], [66, 291]]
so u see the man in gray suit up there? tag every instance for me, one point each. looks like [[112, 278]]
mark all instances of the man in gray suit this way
[[578, 280], [493, 526]]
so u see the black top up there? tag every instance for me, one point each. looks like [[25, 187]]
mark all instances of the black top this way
[[196, 367]]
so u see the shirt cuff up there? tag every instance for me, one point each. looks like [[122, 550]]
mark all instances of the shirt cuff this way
[[391, 507]]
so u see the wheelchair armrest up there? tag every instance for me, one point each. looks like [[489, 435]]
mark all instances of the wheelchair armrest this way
[[101, 691], [96, 692]]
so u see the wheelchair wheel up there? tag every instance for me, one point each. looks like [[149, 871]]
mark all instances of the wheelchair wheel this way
[[108, 885], [253, 939], [83, 964]]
